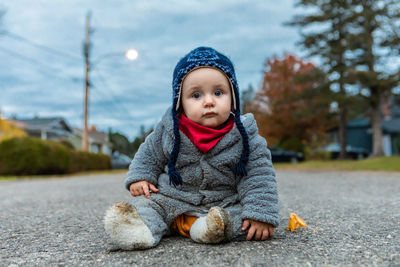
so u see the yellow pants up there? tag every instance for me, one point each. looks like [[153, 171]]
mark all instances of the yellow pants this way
[[182, 224]]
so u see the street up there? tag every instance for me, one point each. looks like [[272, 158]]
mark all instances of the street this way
[[353, 218]]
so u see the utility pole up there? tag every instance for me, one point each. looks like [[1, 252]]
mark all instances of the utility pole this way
[[86, 49]]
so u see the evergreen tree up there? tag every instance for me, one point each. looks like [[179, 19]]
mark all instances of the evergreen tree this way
[[355, 39], [328, 39], [375, 40], [139, 139], [120, 143]]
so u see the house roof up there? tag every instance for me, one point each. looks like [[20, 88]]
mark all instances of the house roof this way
[[388, 125], [396, 107], [98, 137], [19, 124], [43, 123], [359, 122], [391, 126], [94, 136]]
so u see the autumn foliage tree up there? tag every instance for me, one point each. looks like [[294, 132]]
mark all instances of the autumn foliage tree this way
[[9, 130], [292, 105]]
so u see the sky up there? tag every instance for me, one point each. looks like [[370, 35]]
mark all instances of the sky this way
[[42, 65]]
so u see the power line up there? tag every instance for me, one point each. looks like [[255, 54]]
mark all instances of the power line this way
[[102, 95], [117, 106], [54, 70], [110, 90], [43, 47], [57, 70], [25, 58], [122, 120]]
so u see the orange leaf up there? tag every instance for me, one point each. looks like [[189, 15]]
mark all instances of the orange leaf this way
[[295, 222]]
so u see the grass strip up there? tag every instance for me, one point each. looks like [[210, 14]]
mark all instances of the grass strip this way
[[371, 164]]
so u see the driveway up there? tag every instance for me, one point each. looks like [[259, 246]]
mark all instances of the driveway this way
[[354, 219]]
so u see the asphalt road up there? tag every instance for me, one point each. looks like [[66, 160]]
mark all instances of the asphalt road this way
[[354, 219]]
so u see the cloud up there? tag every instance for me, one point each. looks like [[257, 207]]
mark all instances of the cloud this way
[[128, 94]]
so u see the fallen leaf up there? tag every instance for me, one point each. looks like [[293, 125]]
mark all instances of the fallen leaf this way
[[295, 222]]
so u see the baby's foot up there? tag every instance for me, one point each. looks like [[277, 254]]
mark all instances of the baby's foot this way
[[210, 229], [125, 227]]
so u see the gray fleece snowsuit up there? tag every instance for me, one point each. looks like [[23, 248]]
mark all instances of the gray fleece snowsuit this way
[[208, 179]]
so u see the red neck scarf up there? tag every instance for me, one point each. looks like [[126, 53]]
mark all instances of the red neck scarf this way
[[202, 137]]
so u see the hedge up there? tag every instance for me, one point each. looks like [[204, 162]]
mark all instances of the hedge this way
[[31, 156]]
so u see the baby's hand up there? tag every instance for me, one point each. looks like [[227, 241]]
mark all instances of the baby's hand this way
[[259, 230], [142, 188]]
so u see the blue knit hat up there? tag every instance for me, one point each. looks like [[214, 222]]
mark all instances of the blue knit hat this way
[[205, 57]]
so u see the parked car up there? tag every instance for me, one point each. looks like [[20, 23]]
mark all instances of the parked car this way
[[280, 155], [352, 152], [120, 161]]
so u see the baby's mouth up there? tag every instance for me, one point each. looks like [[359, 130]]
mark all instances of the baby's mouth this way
[[209, 114]]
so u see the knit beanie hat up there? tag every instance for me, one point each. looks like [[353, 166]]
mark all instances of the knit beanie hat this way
[[197, 58]]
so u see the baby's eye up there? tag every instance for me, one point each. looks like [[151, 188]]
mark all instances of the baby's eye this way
[[219, 93], [196, 95]]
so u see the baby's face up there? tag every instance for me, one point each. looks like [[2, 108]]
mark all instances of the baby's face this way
[[206, 97]]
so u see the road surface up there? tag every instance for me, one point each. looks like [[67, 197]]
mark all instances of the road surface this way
[[354, 219]]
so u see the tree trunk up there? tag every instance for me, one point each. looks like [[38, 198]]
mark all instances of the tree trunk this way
[[375, 90], [376, 126], [343, 132], [343, 116]]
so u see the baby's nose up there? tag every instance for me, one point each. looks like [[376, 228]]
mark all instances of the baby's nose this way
[[209, 100]]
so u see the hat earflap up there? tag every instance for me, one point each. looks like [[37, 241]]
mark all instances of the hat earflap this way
[[240, 167]]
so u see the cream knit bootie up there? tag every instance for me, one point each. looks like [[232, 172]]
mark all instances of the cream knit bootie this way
[[126, 229], [211, 228]]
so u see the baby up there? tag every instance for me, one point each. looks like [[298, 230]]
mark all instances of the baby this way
[[204, 172]]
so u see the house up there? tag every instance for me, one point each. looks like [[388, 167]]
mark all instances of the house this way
[[55, 128], [98, 141], [359, 132]]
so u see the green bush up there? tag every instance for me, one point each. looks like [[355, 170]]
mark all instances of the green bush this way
[[31, 156], [67, 144], [85, 161]]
